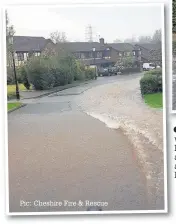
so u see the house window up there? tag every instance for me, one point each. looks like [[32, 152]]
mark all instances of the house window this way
[[90, 54], [20, 56], [99, 54], [120, 54], [82, 55], [127, 53], [134, 53]]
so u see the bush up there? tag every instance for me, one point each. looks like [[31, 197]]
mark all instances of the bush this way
[[39, 73], [10, 76], [24, 77], [151, 83], [157, 71], [90, 73], [46, 72]]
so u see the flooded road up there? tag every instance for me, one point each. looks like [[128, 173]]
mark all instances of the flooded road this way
[[120, 106], [66, 152]]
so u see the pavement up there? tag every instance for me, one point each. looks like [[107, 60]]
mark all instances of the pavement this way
[[58, 153], [32, 94]]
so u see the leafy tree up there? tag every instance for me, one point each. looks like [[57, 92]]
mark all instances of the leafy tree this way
[[128, 62]]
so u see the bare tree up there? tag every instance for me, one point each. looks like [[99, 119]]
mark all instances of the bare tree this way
[[9, 34], [58, 37], [117, 41], [157, 36], [130, 40], [145, 39]]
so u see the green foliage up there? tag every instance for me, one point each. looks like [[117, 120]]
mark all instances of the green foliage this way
[[11, 106], [128, 62], [151, 82], [24, 77], [46, 72], [10, 75], [90, 73], [157, 71]]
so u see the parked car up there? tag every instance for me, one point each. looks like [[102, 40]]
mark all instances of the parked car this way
[[148, 66], [103, 72], [113, 70]]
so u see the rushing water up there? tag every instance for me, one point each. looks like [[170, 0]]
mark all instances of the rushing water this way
[[120, 106]]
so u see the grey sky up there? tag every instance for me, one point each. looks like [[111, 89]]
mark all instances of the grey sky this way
[[117, 22]]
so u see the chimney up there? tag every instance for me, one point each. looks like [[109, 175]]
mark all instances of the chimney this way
[[101, 41]]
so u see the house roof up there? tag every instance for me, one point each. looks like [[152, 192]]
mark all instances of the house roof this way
[[150, 46], [122, 46], [27, 43], [80, 46]]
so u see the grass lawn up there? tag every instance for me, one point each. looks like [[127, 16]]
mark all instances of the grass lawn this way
[[11, 106], [154, 100], [11, 89]]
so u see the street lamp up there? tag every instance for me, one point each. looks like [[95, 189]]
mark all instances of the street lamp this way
[[14, 68], [93, 49]]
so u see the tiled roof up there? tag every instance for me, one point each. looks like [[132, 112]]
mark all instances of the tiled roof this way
[[150, 46], [27, 43], [124, 47], [80, 46]]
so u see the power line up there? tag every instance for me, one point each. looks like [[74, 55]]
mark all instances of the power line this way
[[89, 33]]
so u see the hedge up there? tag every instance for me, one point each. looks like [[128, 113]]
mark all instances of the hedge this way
[[48, 72], [151, 82]]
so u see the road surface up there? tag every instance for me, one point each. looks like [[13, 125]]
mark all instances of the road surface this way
[[62, 158]]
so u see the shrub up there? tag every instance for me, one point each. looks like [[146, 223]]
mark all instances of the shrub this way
[[39, 73], [151, 83], [45, 72], [90, 73], [24, 77], [157, 71], [10, 76]]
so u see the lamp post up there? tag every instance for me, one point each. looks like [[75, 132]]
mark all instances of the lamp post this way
[[93, 49], [14, 68]]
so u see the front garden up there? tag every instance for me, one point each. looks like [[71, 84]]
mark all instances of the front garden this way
[[151, 88], [48, 71]]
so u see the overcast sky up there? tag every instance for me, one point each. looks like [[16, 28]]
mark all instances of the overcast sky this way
[[117, 22]]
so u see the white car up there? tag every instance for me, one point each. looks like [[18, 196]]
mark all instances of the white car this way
[[148, 66]]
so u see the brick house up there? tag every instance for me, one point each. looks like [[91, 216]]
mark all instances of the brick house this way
[[99, 53], [25, 46], [150, 52]]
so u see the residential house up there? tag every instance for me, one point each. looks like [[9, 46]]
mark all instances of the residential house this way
[[150, 52], [25, 46], [99, 53]]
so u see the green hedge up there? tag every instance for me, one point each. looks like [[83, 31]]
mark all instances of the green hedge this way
[[151, 82], [51, 71], [157, 71]]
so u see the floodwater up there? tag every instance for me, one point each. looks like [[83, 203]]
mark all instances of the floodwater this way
[[120, 106]]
